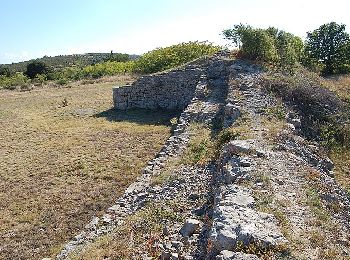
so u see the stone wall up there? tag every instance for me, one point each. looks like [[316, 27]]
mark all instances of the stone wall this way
[[168, 90]]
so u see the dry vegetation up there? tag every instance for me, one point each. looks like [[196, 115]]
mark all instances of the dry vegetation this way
[[340, 85], [341, 156], [139, 233], [65, 157]]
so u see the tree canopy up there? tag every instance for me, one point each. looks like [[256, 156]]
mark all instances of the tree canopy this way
[[329, 45], [269, 45], [35, 68]]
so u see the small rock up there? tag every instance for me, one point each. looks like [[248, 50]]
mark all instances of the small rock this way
[[176, 244], [227, 255], [174, 256], [326, 164], [165, 231], [194, 196], [296, 122], [107, 218], [165, 255], [190, 227]]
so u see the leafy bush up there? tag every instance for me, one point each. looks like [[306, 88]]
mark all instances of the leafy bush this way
[[62, 81], [254, 44], [169, 57], [18, 79], [108, 68], [224, 137], [268, 45]]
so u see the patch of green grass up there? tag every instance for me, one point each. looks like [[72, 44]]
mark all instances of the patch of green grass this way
[[315, 204]]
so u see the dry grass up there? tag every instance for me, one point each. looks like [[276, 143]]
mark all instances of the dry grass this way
[[140, 233], [341, 160], [340, 85], [340, 156], [64, 158]]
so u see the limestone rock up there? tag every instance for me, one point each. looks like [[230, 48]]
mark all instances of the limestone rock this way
[[234, 169], [235, 219], [190, 227], [227, 255], [244, 146]]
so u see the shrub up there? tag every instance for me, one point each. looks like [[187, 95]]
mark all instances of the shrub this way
[[267, 45], [62, 81], [169, 57], [18, 79], [255, 44], [118, 57]]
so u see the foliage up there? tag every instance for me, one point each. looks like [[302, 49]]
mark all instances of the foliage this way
[[224, 137], [18, 79], [255, 44], [330, 46], [268, 45], [119, 57], [35, 68], [117, 63], [76, 60], [165, 58], [5, 71]]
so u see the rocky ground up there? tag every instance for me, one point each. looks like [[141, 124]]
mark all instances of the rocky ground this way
[[266, 194]]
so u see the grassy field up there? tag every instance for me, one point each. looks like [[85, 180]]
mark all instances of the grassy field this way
[[65, 156]]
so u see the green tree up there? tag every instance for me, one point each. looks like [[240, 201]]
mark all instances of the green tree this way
[[255, 44], [35, 68], [269, 45], [329, 45], [4, 71]]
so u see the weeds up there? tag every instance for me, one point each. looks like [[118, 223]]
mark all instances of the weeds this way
[[315, 204], [201, 147], [277, 112], [140, 232]]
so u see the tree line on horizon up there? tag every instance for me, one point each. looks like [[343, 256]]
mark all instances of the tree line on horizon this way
[[326, 50]]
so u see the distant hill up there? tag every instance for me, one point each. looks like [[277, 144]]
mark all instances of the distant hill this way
[[62, 61]]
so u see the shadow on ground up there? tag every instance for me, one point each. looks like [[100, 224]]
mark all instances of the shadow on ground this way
[[140, 116]]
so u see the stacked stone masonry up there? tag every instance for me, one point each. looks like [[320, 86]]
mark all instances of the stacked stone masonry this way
[[173, 90]]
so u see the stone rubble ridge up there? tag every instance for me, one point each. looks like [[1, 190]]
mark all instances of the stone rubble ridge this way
[[203, 92]]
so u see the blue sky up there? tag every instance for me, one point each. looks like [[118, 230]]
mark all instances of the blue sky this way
[[34, 28]]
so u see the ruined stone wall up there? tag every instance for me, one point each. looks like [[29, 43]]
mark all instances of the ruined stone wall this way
[[170, 90]]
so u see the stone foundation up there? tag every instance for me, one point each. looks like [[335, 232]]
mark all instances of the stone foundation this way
[[169, 90]]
